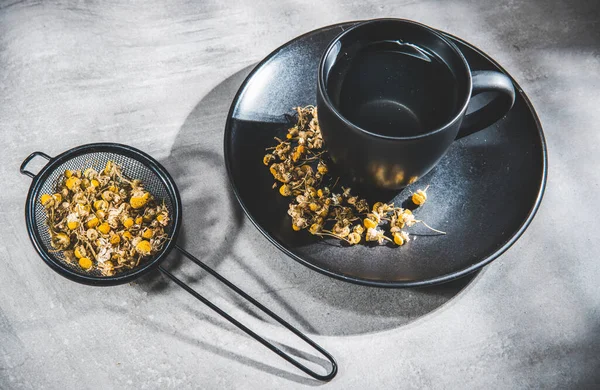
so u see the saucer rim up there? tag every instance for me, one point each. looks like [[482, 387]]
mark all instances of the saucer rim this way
[[379, 283]]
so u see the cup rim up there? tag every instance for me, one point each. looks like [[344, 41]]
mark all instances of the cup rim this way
[[323, 88]]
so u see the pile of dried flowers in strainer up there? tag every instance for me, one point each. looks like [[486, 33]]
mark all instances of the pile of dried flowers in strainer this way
[[104, 220], [299, 165]]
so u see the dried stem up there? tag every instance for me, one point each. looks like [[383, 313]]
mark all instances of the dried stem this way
[[430, 228]]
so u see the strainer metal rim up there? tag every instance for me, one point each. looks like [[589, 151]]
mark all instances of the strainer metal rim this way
[[130, 152]]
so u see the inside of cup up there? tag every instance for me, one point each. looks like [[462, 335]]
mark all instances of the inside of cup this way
[[413, 39]]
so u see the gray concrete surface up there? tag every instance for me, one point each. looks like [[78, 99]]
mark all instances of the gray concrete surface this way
[[160, 76]]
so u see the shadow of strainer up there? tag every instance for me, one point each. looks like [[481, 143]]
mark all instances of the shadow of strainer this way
[[157, 181]]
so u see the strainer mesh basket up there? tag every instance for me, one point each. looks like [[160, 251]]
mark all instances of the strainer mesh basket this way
[[131, 168]]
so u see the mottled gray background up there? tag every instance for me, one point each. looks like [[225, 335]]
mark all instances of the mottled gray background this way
[[160, 75]]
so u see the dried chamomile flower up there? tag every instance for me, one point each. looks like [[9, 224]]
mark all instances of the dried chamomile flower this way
[[285, 190], [420, 197], [315, 228], [60, 241], [358, 229], [85, 263], [143, 247], [322, 168], [341, 230], [374, 234], [47, 200], [354, 238], [402, 217], [370, 223], [72, 221], [400, 238], [138, 199], [361, 206], [268, 158], [407, 217]]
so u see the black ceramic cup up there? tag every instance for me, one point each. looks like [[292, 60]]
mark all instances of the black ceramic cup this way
[[393, 95]]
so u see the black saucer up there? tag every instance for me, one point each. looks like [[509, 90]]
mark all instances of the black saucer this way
[[484, 192]]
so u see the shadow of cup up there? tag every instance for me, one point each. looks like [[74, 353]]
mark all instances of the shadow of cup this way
[[212, 218], [213, 224]]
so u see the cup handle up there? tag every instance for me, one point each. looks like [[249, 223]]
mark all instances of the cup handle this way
[[488, 81]]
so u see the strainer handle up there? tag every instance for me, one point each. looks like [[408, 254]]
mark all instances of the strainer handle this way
[[28, 159], [243, 327]]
